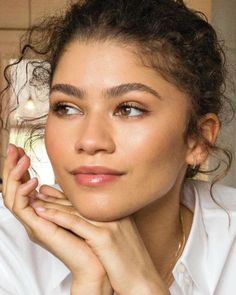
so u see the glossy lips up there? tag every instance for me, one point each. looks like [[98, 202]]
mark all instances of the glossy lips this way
[[95, 175]]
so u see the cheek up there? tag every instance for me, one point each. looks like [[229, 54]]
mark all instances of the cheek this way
[[156, 157], [56, 140], [152, 142]]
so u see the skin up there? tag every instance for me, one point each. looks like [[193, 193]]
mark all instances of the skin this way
[[95, 135], [125, 225]]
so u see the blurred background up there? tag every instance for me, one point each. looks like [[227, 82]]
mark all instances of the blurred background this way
[[17, 15]]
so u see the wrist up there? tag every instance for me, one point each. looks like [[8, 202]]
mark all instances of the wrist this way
[[146, 287], [91, 288], [149, 289]]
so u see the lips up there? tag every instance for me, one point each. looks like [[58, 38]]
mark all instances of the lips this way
[[95, 175]]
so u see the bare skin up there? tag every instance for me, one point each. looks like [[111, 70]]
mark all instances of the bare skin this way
[[121, 228]]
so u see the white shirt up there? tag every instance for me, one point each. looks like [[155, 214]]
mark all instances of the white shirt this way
[[207, 265]]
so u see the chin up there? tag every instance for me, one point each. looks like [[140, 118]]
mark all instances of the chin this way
[[101, 214], [99, 204]]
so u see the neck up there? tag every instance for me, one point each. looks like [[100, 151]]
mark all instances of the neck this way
[[161, 230]]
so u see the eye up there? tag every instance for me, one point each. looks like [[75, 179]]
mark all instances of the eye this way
[[129, 110], [64, 109]]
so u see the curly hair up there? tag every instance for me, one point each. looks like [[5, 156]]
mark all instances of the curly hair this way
[[176, 41]]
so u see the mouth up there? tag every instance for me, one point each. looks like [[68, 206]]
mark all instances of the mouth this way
[[95, 175]]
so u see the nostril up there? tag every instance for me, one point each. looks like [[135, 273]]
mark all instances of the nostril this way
[[95, 142]]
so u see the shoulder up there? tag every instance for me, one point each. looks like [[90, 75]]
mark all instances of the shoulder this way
[[220, 192], [214, 205], [213, 196], [211, 247]]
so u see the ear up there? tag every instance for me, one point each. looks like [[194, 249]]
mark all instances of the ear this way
[[209, 126]]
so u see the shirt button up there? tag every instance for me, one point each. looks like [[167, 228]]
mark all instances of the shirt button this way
[[181, 268], [187, 280]]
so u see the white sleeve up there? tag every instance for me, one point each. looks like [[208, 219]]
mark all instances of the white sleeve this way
[[5, 292]]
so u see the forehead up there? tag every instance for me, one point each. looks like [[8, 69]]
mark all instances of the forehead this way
[[98, 55], [103, 57], [102, 65]]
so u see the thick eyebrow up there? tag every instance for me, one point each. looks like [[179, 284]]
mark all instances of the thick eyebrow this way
[[68, 90], [110, 92], [125, 88]]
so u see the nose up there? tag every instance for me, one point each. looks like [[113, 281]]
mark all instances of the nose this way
[[95, 136]]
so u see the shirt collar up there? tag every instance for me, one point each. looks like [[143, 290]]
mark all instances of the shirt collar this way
[[192, 259]]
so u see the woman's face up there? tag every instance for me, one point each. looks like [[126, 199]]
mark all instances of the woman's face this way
[[115, 131]]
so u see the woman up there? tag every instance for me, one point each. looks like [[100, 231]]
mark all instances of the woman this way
[[136, 96]]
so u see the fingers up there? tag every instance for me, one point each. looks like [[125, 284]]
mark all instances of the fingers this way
[[51, 191], [21, 153], [66, 217], [22, 198], [10, 162], [53, 200], [52, 195], [14, 154], [78, 256], [55, 204], [17, 197], [40, 203], [14, 180]]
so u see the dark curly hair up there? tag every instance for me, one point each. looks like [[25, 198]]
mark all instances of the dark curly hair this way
[[176, 41]]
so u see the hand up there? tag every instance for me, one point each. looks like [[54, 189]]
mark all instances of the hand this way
[[118, 246], [88, 274]]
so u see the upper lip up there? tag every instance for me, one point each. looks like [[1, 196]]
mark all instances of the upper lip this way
[[96, 170]]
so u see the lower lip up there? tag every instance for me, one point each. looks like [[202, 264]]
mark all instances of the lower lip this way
[[95, 179]]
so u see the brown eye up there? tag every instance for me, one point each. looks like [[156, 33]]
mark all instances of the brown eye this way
[[129, 110], [63, 109]]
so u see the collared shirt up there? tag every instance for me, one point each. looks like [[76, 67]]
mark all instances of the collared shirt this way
[[207, 265]]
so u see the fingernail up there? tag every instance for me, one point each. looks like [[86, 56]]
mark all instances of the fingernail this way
[[42, 196], [31, 181], [39, 209], [21, 161]]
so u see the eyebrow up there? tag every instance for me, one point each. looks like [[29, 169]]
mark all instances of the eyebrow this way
[[110, 92], [68, 90]]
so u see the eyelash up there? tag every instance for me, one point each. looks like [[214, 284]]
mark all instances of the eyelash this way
[[132, 106], [59, 108]]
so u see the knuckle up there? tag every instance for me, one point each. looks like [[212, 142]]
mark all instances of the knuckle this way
[[20, 189], [14, 209], [33, 235], [52, 213], [107, 235], [74, 222], [72, 211], [12, 175]]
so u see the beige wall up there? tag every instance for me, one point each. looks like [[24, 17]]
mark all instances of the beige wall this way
[[202, 5], [224, 20], [18, 14]]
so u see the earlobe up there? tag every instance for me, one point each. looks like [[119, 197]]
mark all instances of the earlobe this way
[[197, 155]]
